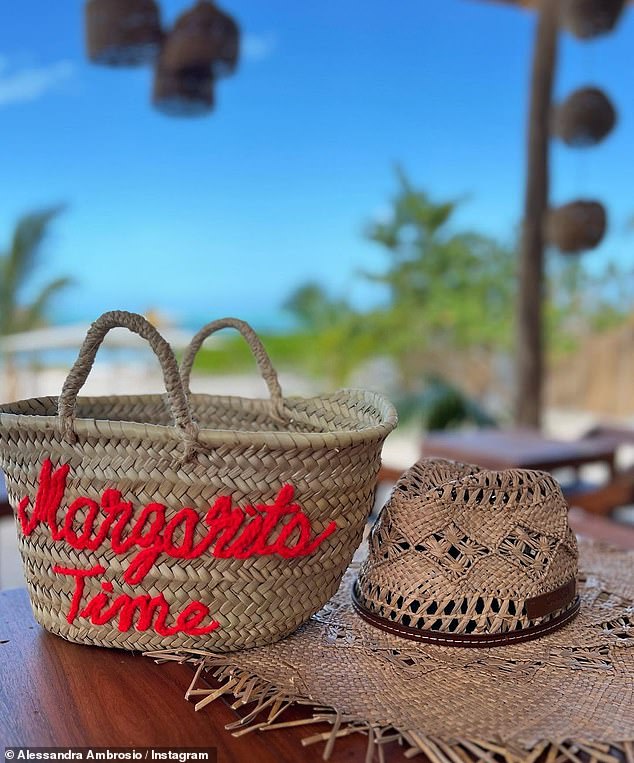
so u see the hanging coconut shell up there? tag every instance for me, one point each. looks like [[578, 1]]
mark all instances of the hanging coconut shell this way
[[585, 118], [590, 18], [203, 36], [123, 32], [577, 226], [186, 93]]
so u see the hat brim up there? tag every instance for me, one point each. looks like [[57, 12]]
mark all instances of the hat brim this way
[[569, 688]]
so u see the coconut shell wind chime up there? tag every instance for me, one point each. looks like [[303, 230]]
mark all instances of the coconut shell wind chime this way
[[202, 47], [123, 32], [576, 226], [582, 120]]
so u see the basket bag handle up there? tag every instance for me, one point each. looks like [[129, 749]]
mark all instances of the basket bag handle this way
[[269, 374], [179, 405]]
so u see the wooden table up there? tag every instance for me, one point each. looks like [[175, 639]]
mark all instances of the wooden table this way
[[54, 693], [519, 448]]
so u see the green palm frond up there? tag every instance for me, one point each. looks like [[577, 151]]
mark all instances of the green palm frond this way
[[17, 265], [28, 237], [35, 314]]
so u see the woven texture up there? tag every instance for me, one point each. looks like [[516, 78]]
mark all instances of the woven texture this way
[[186, 451], [576, 226], [586, 19], [585, 118], [203, 37], [123, 32], [183, 93], [460, 550], [569, 694]]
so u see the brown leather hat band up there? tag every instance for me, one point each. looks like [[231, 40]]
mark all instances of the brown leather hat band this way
[[552, 601], [465, 639]]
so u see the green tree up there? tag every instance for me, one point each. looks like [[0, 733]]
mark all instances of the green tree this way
[[446, 289], [336, 338], [448, 307], [314, 309], [17, 266], [583, 300]]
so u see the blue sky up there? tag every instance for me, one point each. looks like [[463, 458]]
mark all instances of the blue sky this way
[[227, 214]]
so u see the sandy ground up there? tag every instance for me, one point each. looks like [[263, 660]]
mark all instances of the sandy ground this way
[[401, 448]]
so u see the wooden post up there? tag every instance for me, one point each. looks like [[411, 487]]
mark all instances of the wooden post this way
[[530, 341]]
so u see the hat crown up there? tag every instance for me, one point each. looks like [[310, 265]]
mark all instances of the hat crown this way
[[462, 550]]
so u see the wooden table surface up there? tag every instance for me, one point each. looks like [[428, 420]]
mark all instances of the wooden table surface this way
[[55, 693], [518, 448]]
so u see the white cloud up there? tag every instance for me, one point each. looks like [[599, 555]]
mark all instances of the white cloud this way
[[28, 84], [382, 215], [258, 47]]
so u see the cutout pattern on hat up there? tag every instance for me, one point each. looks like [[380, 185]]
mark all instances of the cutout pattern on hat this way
[[462, 551]]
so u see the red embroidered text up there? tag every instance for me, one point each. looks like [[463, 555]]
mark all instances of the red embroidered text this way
[[151, 612], [225, 531]]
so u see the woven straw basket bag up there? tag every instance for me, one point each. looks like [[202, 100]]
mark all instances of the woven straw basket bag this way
[[154, 521]]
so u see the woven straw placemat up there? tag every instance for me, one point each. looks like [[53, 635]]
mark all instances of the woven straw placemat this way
[[568, 696]]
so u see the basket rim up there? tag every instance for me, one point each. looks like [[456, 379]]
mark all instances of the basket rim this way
[[107, 429]]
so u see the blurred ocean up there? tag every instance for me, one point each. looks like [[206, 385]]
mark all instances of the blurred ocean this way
[[188, 321], [272, 321]]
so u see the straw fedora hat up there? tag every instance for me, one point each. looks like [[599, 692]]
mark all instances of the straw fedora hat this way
[[470, 558], [459, 557]]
